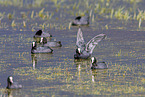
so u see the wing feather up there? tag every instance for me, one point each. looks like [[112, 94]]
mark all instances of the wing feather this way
[[93, 42], [80, 40]]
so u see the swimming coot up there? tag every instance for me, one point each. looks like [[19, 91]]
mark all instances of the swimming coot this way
[[11, 84], [35, 49], [98, 65], [80, 21]]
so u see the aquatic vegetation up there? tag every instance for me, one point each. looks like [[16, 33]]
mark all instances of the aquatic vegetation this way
[[106, 26], [139, 24], [3, 25], [32, 14], [111, 13], [49, 73], [10, 16], [103, 8], [41, 13], [24, 23], [22, 3], [119, 53], [2, 16], [13, 23], [85, 82]]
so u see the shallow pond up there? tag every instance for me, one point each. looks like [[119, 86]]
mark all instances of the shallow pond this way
[[58, 74]]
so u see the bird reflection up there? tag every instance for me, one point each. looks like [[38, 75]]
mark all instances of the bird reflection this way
[[93, 80], [13, 92], [98, 74], [36, 58], [79, 71], [85, 72], [81, 66], [34, 61]]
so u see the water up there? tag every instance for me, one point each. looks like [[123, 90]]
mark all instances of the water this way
[[58, 74]]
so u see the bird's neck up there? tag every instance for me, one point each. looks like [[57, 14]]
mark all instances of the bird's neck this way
[[9, 84], [94, 64], [34, 47]]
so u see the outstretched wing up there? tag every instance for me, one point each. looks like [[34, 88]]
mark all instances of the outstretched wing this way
[[80, 40], [93, 42]]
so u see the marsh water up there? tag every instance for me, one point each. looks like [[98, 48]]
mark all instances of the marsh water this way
[[58, 74]]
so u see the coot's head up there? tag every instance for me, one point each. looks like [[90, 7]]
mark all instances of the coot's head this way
[[50, 35], [76, 21], [10, 80], [78, 18], [59, 42], [34, 45], [39, 32], [78, 51]]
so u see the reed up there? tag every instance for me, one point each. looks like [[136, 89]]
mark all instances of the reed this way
[[74, 6], [118, 13], [93, 18], [10, 16], [13, 24], [24, 15], [126, 15], [140, 21], [69, 26], [32, 14], [24, 24], [119, 53], [139, 15], [112, 12], [41, 14], [106, 26]]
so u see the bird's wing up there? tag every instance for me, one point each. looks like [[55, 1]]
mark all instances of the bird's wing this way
[[85, 19], [93, 42], [80, 40], [45, 34]]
